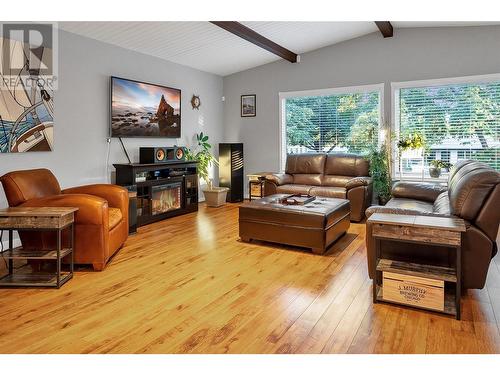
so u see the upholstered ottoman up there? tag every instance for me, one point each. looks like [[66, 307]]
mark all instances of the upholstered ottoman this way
[[315, 225]]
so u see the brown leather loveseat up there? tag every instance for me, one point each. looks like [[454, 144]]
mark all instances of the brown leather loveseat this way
[[473, 194], [101, 222], [327, 175]]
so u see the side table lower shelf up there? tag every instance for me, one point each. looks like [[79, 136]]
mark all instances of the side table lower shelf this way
[[20, 253], [34, 279], [449, 302]]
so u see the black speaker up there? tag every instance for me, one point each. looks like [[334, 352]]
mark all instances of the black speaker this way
[[150, 155], [132, 208], [231, 170]]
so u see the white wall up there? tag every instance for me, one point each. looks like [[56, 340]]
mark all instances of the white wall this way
[[81, 119], [412, 54]]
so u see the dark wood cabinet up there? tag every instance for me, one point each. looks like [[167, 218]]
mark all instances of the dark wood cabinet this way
[[163, 189], [231, 170]]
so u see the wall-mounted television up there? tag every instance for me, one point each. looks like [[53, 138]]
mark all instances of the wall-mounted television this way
[[140, 109]]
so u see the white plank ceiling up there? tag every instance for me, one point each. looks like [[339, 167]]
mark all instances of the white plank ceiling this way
[[207, 47]]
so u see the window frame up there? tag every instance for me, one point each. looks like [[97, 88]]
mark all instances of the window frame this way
[[379, 87], [395, 110]]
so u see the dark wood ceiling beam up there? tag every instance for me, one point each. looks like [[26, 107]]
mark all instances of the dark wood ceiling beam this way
[[385, 28], [251, 36]]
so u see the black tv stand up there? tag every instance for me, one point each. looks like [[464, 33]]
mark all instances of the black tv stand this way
[[163, 189]]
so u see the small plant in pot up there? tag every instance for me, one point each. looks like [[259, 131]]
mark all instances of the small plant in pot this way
[[380, 173], [436, 166], [411, 142], [410, 146], [214, 196]]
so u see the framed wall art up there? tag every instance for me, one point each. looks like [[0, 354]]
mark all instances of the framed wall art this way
[[248, 105]]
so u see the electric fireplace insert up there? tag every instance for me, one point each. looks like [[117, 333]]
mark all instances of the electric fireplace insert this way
[[166, 198]]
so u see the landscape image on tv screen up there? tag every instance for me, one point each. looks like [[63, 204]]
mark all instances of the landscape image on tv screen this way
[[144, 110]]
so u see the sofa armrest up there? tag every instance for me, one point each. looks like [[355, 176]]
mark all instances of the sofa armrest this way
[[358, 181], [279, 178], [115, 195], [424, 191], [92, 210]]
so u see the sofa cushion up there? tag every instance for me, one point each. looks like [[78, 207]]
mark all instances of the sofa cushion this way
[[333, 180], [403, 206], [293, 189], [328, 191], [305, 163], [346, 165], [115, 216], [410, 204], [307, 179]]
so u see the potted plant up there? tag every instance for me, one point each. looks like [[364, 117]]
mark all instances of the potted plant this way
[[436, 166], [214, 196], [380, 173], [411, 142], [412, 146]]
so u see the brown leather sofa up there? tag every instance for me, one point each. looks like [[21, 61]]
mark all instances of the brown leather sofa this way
[[326, 175], [473, 194], [101, 222]]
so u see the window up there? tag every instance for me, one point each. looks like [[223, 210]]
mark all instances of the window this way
[[331, 120], [458, 118]]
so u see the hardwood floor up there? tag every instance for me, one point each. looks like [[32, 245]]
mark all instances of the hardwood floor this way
[[188, 285]]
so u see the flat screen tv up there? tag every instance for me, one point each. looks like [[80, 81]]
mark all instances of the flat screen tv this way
[[140, 109]]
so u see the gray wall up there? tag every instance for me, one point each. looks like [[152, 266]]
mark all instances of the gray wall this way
[[82, 102], [412, 54]]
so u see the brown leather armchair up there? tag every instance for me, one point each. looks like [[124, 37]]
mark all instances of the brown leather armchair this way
[[101, 222], [473, 194], [327, 175]]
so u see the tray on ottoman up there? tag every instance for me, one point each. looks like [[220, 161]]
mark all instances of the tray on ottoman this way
[[315, 225]]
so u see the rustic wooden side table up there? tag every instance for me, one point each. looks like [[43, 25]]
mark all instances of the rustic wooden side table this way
[[426, 286], [256, 184], [40, 219]]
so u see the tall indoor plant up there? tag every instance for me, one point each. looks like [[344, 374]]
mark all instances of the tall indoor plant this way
[[214, 196], [380, 172]]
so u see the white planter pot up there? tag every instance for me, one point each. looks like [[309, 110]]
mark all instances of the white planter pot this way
[[215, 196]]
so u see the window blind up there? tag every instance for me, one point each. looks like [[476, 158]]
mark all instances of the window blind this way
[[460, 121], [331, 123]]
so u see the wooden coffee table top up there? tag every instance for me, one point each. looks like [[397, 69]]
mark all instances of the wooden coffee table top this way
[[36, 217], [36, 211], [452, 224]]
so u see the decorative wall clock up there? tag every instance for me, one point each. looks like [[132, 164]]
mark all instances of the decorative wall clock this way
[[195, 102]]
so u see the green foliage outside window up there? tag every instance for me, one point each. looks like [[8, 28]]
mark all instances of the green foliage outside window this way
[[468, 115], [325, 123]]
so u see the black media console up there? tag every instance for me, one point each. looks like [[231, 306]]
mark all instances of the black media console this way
[[163, 189]]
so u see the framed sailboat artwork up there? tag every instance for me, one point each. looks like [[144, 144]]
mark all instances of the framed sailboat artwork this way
[[26, 106]]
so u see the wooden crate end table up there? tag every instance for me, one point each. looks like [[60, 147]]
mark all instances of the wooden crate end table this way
[[54, 219], [415, 278], [256, 184]]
